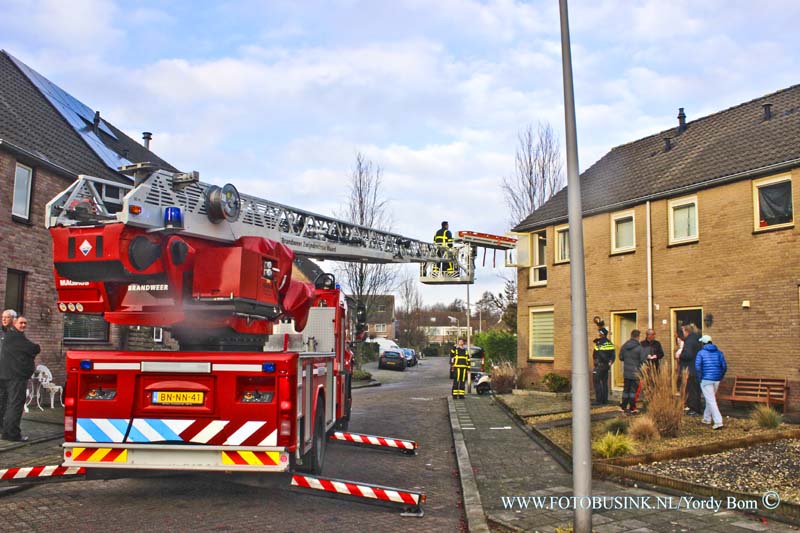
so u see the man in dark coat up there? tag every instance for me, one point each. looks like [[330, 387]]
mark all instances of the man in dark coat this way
[[16, 367], [652, 348], [633, 356], [691, 345]]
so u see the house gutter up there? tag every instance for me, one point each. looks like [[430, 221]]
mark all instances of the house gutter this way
[[776, 167], [649, 268], [18, 150]]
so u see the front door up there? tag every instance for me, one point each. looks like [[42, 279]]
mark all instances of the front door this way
[[622, 324]]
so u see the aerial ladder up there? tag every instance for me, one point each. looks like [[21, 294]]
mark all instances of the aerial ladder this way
[[243, 393]]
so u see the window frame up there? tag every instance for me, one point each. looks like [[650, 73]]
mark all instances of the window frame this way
[[105, 338], [615, 217], [539, 310], [22, 281], [29, 192], [536, 265], [380, 328], [158, 335], [557, 232], [772, 180], [681, 202]]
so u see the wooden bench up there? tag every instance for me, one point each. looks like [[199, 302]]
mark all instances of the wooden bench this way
[[757, 389]]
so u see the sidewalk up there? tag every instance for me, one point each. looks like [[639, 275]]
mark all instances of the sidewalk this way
[[507, 463], [46, 432]]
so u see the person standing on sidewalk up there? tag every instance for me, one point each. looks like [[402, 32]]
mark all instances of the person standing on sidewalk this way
[[460, 367], [691, 345], [603, 357], [16, 368], [711, 366], [633, 356]]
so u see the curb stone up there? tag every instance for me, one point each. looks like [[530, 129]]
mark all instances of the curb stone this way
[[473, 508]]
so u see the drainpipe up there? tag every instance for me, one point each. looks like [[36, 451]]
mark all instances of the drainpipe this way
[[649, 270]]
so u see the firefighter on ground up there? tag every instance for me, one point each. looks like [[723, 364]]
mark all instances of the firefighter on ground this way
[[460, 359], [444, 239]]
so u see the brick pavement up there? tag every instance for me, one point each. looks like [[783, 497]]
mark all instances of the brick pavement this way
[[506, 462]]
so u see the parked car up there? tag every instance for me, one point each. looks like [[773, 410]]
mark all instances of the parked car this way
[[477, 358], [411, 356], [392, 359]]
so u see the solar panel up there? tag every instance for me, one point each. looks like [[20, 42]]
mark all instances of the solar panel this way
[[77, 114]]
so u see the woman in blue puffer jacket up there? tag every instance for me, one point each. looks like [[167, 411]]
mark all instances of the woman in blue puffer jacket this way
[[711, 367]]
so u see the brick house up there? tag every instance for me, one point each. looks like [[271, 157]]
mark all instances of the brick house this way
[[693, 224], [381, 322], [48, 138]]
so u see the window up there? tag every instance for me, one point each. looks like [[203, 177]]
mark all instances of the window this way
[[542, 333], [381, 308], [562, 244], [21, 206], [683, 220], [82, 328], [623, 235], [158, 334], [380, 328], [538, 272], [15, 291], [772, 202]]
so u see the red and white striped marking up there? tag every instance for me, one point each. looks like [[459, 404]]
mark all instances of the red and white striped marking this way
[[373, 492], [388, 442], [40, 471]]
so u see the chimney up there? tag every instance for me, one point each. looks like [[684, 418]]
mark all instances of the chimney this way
[[767, 111], [681, 120], [96, 122], [667, 144], [147, 137]]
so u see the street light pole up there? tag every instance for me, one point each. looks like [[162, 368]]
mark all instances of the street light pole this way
[[581, 414]]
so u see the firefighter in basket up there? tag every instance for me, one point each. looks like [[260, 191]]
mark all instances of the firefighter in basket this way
[[444, 239], [460, 359]]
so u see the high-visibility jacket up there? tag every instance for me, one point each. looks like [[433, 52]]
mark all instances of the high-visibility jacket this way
[[460, 358], [604, 353], [443, 237]]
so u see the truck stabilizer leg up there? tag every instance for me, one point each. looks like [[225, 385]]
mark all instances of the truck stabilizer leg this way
[[408, 447], [42, 474], [410, 502]]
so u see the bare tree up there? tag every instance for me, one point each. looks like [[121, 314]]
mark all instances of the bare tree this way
[[539, 172], [366, 208], [409, 314]]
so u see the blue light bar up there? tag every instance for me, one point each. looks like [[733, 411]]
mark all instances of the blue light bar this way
[[86, 364], [268, 367], [173, 218]]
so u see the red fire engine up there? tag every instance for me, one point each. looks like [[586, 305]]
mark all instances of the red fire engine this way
[[263, 370]]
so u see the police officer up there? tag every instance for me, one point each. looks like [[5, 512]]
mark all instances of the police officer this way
[[460, 366], [444, 238], [603, 357]]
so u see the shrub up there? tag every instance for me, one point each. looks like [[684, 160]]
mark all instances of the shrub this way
[[499, 346], [644, 429], [766, 417], [610, 445], [504, 377], [361, 375], [663, 406], [431, 350], [617, 426], [555, 382], [365, 352]]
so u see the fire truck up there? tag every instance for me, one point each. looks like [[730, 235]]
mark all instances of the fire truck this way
[[262, 376]]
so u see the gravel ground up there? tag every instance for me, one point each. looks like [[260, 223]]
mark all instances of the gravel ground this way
[[754, 470]]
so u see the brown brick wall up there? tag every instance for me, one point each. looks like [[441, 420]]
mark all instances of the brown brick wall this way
[[728, 264]]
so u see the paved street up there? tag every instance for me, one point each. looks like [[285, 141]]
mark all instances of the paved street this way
[[410, 404]]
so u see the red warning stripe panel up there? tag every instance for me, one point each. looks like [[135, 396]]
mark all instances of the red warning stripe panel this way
[[373, 440], [40, 471], [350, 488]]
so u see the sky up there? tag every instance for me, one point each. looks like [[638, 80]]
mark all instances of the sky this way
[[278, 97]]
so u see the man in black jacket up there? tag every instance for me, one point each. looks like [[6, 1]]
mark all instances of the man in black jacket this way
[[691, 345], [16, 367]]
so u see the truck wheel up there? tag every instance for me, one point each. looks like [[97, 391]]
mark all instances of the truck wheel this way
[[314, 460], [342, 423]]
